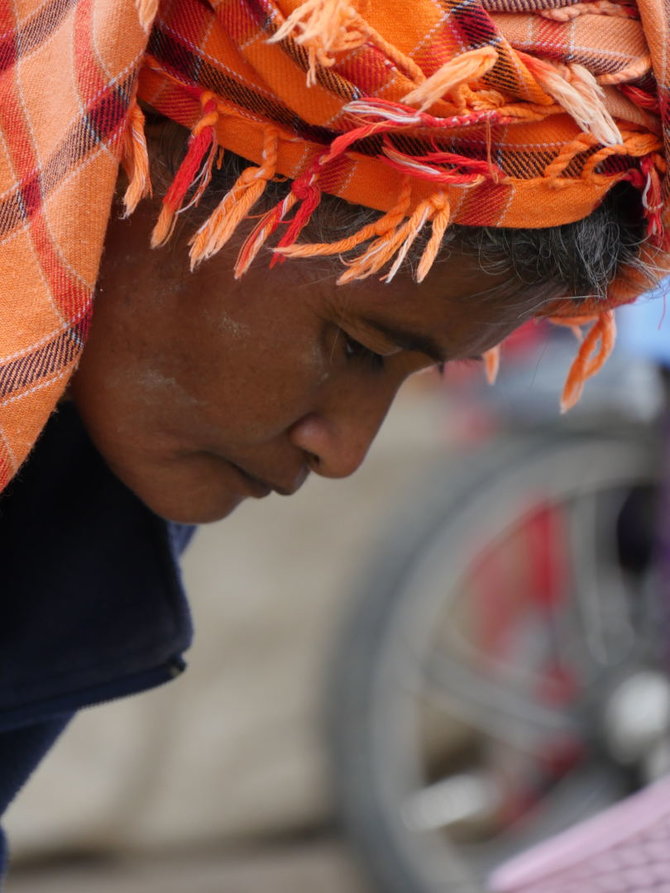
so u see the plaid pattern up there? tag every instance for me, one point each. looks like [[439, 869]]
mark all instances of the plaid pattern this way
[[67, 71], [195, 48], [70, 69]]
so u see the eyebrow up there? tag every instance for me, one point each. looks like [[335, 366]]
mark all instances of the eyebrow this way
[[410, 340]]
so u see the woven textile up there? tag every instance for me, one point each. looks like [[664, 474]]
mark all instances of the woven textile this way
[[496, 112], [67, 71], [510, 122]]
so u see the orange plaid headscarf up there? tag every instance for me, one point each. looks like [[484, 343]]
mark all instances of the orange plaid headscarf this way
[[517, 113]]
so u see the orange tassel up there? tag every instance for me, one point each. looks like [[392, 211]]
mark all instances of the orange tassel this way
[[323, 27], [492, 364], [135, 160], [591, 7], [376, 229], [397, 241], [236, 204], [591, 357], [376, 256], [435, 210], [440, 223], [146, 12], [464, 69], [575, 89], [410, 231]]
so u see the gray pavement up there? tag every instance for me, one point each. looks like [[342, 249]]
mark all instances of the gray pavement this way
[[312, 865]]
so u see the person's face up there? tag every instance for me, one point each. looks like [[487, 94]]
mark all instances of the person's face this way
[[200, 391]]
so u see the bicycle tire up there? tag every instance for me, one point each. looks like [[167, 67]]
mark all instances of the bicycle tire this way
[[481, 502]]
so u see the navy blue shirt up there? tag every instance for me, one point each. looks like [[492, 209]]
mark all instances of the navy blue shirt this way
[[91, 603]]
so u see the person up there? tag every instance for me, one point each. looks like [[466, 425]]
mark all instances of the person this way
[[422, 179]]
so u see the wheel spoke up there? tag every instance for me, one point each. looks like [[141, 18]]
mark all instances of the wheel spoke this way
[[501, 710], [603, 634]]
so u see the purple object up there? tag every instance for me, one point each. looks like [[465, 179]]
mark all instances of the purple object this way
[[625, 849]]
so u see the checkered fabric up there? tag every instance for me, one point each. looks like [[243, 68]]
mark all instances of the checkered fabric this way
[[511, 123], [496, 112], [621, 850], [67, 72]]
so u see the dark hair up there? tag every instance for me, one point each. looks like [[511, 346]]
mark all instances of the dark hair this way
[[576, 260]]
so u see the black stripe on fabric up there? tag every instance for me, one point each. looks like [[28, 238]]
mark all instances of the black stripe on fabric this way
[[100, 121], [40, 363], [475, 25], [104, 117], [525, 5], [477, 29], [182, 62], [262, 16], [34, 32]]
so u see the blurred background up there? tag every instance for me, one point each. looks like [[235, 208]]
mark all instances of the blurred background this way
[[399, 680]]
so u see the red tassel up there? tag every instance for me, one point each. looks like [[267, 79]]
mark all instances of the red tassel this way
[[265, 227], [308, 194], [652, 200], [202, 142], [464, 171]]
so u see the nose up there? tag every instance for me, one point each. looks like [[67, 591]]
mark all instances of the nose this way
[[336, 442]]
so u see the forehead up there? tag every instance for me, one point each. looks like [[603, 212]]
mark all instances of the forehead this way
[[461, 309]]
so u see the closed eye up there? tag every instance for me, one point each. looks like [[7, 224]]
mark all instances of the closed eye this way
[[356, 352]]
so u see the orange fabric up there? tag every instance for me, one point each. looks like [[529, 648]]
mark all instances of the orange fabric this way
[[67, 72], [516, 113], [540, 178]]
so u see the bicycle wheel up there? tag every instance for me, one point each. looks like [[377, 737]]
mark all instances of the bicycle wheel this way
[[490, 686]]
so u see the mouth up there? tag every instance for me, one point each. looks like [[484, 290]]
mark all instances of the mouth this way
[[257, 488], [260, 488]]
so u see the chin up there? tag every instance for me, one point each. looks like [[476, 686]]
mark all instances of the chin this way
[[187, 510], [194, 489], [182, 497]]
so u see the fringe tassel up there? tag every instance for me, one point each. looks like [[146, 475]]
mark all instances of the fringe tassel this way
[[641, 98], [236, 204], [652, 198], [377, 228], [194, 171], [306, 188], [463, 171], [440, 221], [409, 233], [265, 227], [396, 243], [467, 67], [135, 160], [492, 364], [323, 27], [575, 89], [374, 257], [307, 192], [146, 12], [591, 356], [590, 7]]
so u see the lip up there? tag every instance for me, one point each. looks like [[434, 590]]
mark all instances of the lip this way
[[257, 487], [260, 487]]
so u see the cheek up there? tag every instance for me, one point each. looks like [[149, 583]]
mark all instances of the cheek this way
[[181, 366]]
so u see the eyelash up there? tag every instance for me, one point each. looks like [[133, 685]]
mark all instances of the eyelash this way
[[354, 351]]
